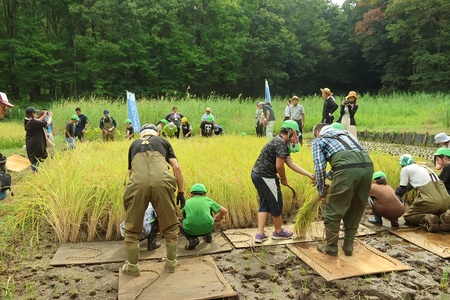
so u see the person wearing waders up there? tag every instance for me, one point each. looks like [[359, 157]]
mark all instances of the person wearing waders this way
[[151, 181], [429, 207], [352, 179], [107, 125]]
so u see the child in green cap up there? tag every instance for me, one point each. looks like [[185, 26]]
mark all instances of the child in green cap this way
[[129, 130], [197, 216]]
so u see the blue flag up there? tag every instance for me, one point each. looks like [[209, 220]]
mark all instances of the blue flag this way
[[268, 92], [133, 114]]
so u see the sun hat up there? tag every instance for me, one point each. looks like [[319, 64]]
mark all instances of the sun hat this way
[[75, 117], [148, 126], [441, 138], [127, 121], [295, 98], [209, 118], [106, 112], [337, 125], [184, 120], [406, 160], [198, 187], [30, 110], [148, 129], [4, 100], [378, 174], [290, 124], [351, 94], [171, 126], [326, 91], [442, 151], [164, 121], [260, 103], [208, 109]]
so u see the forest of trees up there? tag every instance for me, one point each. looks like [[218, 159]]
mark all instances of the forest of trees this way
[[73, 48]]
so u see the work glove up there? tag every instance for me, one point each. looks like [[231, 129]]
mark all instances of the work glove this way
[[181, 201]]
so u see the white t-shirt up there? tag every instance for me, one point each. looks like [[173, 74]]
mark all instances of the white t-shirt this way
[[414, 174]]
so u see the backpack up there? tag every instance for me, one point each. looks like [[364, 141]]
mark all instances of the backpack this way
[[5, 178]]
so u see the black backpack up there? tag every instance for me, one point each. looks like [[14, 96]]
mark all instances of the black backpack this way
[[5, 178]]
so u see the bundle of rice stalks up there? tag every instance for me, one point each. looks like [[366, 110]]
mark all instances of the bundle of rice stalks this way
[[307, 214]]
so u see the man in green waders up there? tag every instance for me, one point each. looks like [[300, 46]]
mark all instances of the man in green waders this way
[[107, 125], [151, 181], [352, 178]]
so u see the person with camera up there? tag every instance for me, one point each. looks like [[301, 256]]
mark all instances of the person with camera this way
[[348, 111], [36, 139]]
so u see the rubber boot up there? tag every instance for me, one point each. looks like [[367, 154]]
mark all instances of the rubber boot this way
[[349, 237], [131, 265], [151, 241], [171, 253], [329, 245]]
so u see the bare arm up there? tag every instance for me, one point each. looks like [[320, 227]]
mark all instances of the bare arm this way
[[296, 168], [222, 212], [178, 175]]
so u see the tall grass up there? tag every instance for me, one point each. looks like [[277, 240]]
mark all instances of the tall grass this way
[[79, 193], [12, 135]]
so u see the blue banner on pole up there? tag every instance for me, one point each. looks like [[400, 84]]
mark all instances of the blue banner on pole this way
[[267, 92], [133, 114]]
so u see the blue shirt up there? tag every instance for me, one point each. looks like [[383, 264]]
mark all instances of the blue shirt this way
[[50, 127], [324, 147]]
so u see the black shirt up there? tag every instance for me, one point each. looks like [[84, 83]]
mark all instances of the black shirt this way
[[445, 177], [157, 143], [81, 124]]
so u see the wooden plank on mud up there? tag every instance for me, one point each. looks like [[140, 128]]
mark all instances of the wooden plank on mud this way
[[114, 251], [365, 260], [245, 238], [437, 243], [17, 163], [194, 278]]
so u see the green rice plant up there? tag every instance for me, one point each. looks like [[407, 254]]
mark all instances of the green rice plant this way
[[444, 280], [13, 135], [8, 288]]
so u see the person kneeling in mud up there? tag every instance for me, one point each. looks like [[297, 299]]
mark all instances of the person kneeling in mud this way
[[429, 208], [148, 228], [197, 219], [384, 201]]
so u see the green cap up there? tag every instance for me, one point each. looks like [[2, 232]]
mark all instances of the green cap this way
[[378, 174], [443, 151], [164, 121], [199, 188], [406, 160], [209, 118], [338, 126], [243, 133], [290, 124], [75, 117], [127, 121]]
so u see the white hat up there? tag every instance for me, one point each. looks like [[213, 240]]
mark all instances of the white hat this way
[[441, 138]]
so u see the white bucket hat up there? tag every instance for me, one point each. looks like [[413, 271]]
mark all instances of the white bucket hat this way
[[441, 138]]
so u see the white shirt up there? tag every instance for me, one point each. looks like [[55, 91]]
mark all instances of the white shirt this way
[[416, 175]]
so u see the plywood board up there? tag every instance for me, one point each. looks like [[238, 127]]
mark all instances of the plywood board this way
[[194, 278], [438, 243], [365, 260], [17, 163], [107, 252], [244, 238]]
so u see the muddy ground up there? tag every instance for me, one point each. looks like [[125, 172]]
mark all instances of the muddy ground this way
[[271, 272]]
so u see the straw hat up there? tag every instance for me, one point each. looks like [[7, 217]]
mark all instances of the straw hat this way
[[351, 94], [326, 91]]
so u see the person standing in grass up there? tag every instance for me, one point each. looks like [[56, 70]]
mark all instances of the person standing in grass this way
[[429, 207], [259, 119], [108, 126], [287, 115], [384, 202], [36, 139], [150, 180], [269, 116], [208, 114], [82, 124], [297, 114], [349, 107], [329, 106], [265, 172], [352, 178], [129, 130], [197, 219], [4, 103], [70, 131]]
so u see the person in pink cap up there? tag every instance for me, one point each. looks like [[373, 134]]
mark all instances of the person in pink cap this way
[[4, 103]]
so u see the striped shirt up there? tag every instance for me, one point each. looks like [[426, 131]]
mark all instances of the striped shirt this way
[[324, 147]]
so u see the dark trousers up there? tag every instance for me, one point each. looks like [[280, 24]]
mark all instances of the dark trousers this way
[[300, 136]]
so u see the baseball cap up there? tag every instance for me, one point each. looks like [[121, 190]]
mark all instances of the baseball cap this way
[[378, 174], [4, 100], [199, 188], [442, 151], [337, 125], [106, 112], [406, 160], [209, 118], [29, 110], [75, 117], [127, 121], [441, 138]]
